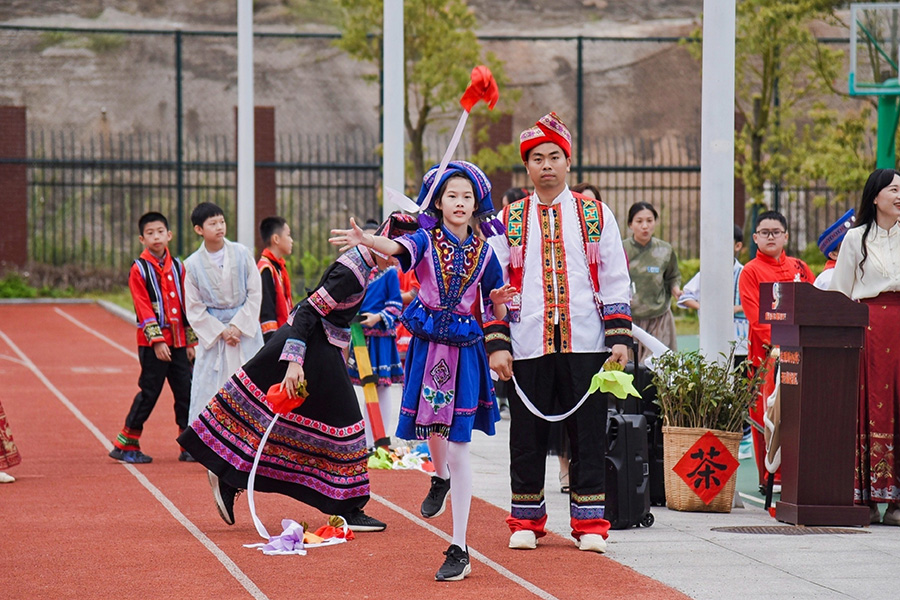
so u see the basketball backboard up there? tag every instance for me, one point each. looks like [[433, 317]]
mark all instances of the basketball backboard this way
[[874, 47]]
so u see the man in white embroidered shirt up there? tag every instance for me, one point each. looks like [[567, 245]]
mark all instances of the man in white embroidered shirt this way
[[564, 252]]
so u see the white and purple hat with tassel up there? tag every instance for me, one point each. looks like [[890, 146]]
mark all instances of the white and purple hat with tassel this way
[[484, 207]]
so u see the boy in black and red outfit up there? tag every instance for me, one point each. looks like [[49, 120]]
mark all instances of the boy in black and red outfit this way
[[164, 336], [276, 283]]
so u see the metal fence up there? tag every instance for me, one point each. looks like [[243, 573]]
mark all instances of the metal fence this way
[[86, 195], [88, 186]]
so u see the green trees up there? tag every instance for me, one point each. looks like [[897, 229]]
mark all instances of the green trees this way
[[440, 47], [785, 79], [794, 127]]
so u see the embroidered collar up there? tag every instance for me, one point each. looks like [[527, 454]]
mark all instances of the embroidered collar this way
[[454, 240]]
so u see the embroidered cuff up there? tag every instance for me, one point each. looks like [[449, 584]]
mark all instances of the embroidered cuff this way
[[621, 310], [322, 301], [268, 326], [496, 336], [617, 324], [294, 351], [617, 331], [153, 333], [190, 336]]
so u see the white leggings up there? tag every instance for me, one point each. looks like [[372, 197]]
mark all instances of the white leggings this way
[[451, 459]]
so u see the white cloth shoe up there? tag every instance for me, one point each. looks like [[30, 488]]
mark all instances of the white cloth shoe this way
[[592, 542], [6, 477], [891, 516], [524, 539]]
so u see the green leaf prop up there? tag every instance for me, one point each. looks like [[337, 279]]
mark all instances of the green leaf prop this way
[[617, 383]]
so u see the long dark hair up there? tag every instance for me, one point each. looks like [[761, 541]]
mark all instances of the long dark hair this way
[[865, 216]]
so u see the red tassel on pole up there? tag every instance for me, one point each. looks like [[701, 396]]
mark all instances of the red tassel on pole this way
[[482, 86]]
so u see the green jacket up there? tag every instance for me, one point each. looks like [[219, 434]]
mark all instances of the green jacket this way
[[654, 271]]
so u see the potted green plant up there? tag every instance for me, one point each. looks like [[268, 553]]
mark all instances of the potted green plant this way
[[703, 404]]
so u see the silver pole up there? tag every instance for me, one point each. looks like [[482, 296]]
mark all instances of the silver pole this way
[[717, 177], [246, 221], [393, 137]]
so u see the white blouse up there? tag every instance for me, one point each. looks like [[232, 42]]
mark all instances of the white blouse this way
[[882, 266]]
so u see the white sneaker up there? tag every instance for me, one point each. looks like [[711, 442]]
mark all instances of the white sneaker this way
[[592, 542], [891, 516], [524, 539], [6, 477]]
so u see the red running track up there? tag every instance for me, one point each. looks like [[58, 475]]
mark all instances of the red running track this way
[[77, 524]]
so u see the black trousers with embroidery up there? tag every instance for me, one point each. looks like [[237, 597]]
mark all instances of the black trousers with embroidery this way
[[154, 373], [555, 383]]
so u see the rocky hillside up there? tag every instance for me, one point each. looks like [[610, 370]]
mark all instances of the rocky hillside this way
[[119, 82]]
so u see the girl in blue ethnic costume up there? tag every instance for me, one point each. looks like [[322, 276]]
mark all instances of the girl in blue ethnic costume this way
[[379, 312], [316, 453], [448, 390]]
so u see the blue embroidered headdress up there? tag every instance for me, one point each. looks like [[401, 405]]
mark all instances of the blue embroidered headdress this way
[[484, 207]]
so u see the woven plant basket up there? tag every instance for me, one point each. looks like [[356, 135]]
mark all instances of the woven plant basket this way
[[677, 441]]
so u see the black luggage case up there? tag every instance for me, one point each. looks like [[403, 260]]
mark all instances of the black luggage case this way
[[627, 471], [646, 405]]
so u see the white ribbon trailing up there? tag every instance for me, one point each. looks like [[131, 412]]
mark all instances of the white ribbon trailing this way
[[403, 201], [656, 347], [260, 528], [445, 160], [291, 539], [536, 412]]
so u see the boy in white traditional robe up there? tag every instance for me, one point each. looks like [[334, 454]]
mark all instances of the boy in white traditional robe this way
[[222, 296]]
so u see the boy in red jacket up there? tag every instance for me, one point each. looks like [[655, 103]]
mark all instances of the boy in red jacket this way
[[276, 302], [164, 336], [771, 264]]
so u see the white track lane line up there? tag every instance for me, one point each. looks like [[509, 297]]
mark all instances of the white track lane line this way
[[129, 351], [473, 553], [540, 593], [223, 558]]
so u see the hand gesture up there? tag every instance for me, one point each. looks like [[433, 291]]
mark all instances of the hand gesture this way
[[292, 378], [232, 335], [370, 319], [161, 349], [619, 354], [501, 364], [502, 295], [347, 238]]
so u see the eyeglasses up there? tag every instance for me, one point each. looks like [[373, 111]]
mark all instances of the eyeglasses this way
[[770, 233]]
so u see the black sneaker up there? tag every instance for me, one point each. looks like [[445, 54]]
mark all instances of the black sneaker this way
[[360, 521], [135, 457], [224, 496], [456, 566], [185, 456], [436, 500]]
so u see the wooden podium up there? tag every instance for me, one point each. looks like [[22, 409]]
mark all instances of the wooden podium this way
[[820, 335]]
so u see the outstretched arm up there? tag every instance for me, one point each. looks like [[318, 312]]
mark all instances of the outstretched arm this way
[[350, 238]]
